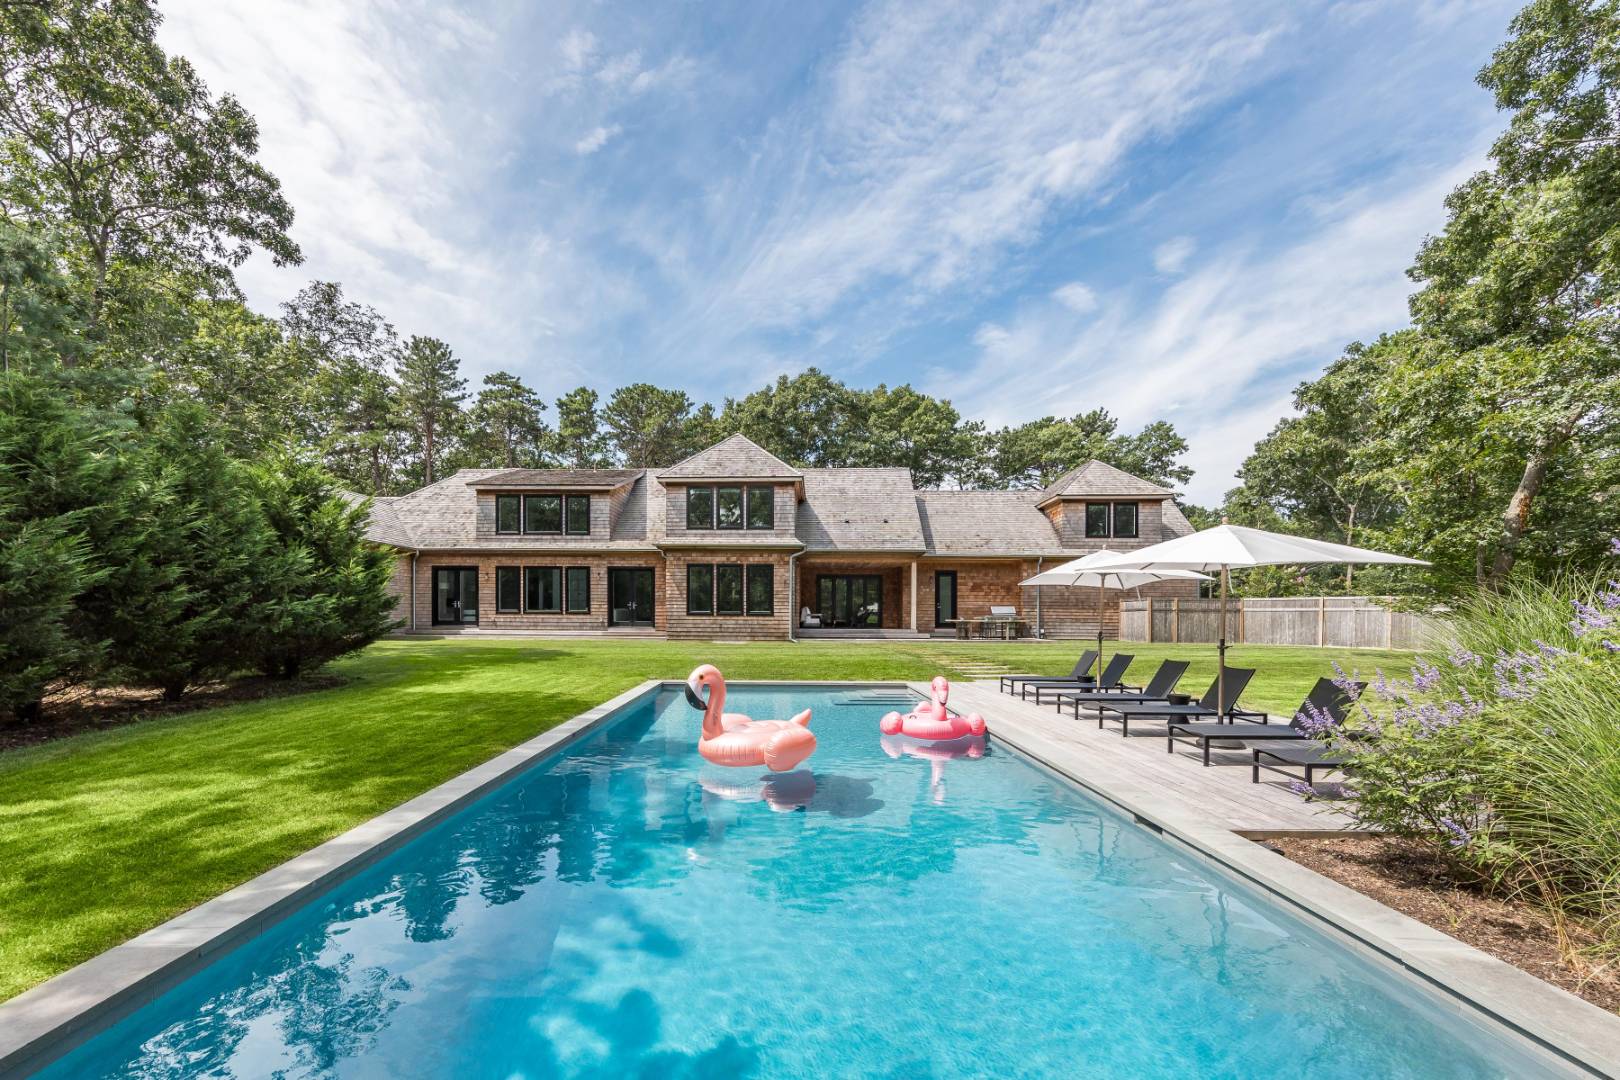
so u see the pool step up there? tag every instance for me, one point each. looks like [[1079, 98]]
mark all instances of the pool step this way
[[879, 697]]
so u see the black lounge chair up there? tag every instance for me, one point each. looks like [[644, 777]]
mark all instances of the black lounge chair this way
[[1309, 756], [1081, 666], [1108, 682], [1325, 699], [1237, 679], [1156, 692]]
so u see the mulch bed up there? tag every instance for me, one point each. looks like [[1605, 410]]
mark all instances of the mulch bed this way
[[1414, 881], [79, 711]]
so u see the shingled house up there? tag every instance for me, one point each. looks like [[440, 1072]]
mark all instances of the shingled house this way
[[735, 543]]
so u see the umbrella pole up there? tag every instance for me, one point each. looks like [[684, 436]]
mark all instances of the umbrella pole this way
[[1098, 683], [1220, 670]]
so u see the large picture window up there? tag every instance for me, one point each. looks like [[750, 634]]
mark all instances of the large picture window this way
[[579, 590], [1125, 519], [507, 514], [542, 513], [761, 508], [543, 589], [700, 508], [700, 589], [579, 515], [1097, 520], [506, 588], [728, 507], [761, 589], [728, 590]]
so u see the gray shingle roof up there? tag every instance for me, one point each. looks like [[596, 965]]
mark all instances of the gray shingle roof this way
[[595, 479], [1175, 522], [1098, 478], [859, 510], [735, 458], [985, 523]]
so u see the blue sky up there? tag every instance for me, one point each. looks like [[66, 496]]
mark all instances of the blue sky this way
[[1171, 210]]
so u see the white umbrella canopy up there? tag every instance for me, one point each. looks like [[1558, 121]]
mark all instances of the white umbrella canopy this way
[[1080, 572], [1227, 547]]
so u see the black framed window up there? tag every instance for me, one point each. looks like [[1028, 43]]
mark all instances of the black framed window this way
[[761, 588], [700, 508], [1096, 520], [507, 514], [507, 584], [700, 589], [579, 515], [1125, 519], [728, 590], [761, 508], [542, 588], [542, 513], [728, 507], [579, 590]]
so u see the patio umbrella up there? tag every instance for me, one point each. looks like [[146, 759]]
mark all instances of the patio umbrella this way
[[1079, 572], [1227, 546]]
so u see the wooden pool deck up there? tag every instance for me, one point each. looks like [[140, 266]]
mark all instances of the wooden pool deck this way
[[1138, 772]]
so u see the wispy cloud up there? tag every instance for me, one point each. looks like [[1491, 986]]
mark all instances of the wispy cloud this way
[[1171, 256], [1076, 296], [596, 139]]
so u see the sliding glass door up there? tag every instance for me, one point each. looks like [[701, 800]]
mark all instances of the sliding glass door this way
[[455, 595], [852, 600]]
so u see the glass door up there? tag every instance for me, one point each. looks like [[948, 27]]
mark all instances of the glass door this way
[[850, 600], [455, 595], [630, 597], [944, 597]]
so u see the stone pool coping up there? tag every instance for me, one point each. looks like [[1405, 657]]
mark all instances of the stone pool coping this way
[[48, 1020], [1566, 1031]]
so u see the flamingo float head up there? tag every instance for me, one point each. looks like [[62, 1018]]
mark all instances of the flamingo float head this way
[[704, 676], [941, 687]]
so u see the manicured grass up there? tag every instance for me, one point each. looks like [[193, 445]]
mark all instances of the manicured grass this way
[[103, 836]]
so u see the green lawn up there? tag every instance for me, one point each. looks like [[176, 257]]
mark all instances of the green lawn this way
[[103, 836]]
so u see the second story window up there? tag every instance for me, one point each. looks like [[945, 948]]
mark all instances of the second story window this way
[[1111, 519], [579, 515], [1096, 520], [700, 508], [542, 514], [1125, 519], [761, 508], [728, 507]]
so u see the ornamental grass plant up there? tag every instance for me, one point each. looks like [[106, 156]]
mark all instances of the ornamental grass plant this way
[[1503, 748]]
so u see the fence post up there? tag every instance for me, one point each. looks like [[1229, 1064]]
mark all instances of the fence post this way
[[1175, 618], [1321, 621], [1243, 607], [1389, 627], [1150, 620]]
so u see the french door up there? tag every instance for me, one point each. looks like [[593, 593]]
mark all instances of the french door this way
[[630, 596], [455, 595], [850, 599]]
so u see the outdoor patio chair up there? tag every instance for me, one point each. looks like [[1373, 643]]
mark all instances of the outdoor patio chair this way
[[1325, 699], [1309, 756], [1163, 682], [808, 618], [1108, 682], [1237, 679], [1081, 666]]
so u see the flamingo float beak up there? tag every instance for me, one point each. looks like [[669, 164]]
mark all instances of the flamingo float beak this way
[[694, 695]]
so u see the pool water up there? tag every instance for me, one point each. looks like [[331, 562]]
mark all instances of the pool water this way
[[626, 909]]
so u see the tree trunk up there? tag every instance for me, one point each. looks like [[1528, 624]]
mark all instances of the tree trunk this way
[[1516, 521], [427, 452], [172, 691], [1349, 538], [27, 712]]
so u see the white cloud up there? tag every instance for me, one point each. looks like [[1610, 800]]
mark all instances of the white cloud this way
[[1171, 256], [578, 49], [596, 139], [1076, 296]]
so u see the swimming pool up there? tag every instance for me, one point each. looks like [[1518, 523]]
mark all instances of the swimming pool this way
[[625, 908]]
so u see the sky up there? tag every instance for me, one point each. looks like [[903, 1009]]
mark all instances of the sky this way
[[1171, 210]]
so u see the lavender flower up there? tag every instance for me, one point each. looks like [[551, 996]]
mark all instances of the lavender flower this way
[[1303, 790], [1344, 682], [1517, 675], [1461, 657], [1549, 651], [1457, 836], [1313, 721], [1610, 597], [1588, 618], [1614, 546], [1425, 676]]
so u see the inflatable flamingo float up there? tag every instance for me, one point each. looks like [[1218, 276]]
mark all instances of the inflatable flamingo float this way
[[936, 754], [931, 720], [733, 739]]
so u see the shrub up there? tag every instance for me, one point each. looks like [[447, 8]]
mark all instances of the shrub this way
[[1505, 751], [327, 586]]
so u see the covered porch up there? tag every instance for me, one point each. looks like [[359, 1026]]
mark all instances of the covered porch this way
[[900, 596]]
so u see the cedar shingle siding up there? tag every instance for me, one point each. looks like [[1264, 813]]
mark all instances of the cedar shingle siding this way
[[868, 522]]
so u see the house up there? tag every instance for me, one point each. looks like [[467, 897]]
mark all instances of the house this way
[[735, 543]]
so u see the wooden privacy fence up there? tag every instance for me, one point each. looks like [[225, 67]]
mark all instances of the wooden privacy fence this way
[[1350, 622]]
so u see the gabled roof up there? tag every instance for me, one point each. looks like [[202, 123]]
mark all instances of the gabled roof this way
[[583, 479], [987, 523], [736, 458], [1098, 478], [859, 510]]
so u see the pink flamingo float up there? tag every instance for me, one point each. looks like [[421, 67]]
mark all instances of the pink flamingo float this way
[[936, 754], [734, 740], [931, 720]]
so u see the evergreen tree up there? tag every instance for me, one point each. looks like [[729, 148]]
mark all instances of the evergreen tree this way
[[647, 426], [431, 391], [580, 441], [506, 425]]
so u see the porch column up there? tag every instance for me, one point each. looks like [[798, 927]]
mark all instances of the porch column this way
[[913, 596]]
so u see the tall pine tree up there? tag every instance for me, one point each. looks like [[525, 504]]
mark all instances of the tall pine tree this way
[[431, 391]]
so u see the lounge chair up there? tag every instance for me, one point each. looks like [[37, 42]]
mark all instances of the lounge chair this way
[[1325, 699], [1309, 756], [1237, 679], [1087, 659], [1109, 682], [1163, 682]]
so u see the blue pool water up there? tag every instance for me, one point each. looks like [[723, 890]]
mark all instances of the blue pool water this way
[[625, 909]]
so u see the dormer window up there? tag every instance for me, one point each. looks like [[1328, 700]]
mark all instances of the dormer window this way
[[1111, 519], [507, 514], [1125, 520], [700, 508], [728, 507], [731, 507], [761, 508], [543, 515]]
